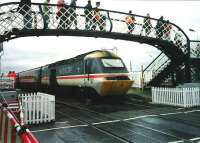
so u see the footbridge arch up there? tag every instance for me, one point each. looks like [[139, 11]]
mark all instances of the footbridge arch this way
[[17, 21]]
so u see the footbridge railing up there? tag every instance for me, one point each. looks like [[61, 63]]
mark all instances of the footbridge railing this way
[[195, 49], [195, 60], [46, 17], [155, 67]]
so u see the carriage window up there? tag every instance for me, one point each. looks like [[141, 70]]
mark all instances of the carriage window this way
[[112, 63]]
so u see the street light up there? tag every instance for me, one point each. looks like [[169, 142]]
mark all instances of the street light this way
[[114, 49], [192, 30]]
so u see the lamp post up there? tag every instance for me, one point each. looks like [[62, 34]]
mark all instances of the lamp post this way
[[114, 49], [192, 30]]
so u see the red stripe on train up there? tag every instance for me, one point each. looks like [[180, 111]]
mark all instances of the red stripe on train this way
[[86, 76]]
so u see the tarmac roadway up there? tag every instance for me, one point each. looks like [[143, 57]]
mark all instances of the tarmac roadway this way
[[122, 122]]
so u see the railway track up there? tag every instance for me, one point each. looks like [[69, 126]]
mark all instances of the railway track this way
[[123, 140], [110, 119]]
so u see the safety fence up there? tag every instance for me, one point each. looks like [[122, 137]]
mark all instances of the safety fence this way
[[194, 49], [11, 131], [183, 97], [155, 67], [143, 77], [38, 108]]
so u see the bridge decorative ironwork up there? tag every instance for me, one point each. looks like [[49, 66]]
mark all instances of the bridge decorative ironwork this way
[[195, 60], [13, 18], [195, 49], [155, 67]]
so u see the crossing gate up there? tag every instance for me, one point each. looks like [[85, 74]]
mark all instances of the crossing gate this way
[[38, 108], [183, 97], [12, 129]]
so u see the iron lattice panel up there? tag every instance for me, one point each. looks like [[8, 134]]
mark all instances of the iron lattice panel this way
[[77, 18]]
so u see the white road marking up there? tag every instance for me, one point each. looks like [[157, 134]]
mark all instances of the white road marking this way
[[145, 116], [194, 139], [113, 121], [62, 122], [176, 141], [179, 108], [191, 111], [172, 113], [65, 127], [164, 114], [179, 112]]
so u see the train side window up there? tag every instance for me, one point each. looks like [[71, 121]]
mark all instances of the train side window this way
[[88, 66], [78, 68], [96, 66]]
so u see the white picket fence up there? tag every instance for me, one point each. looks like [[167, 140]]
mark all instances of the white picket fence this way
[[38, 108], [183, 97]]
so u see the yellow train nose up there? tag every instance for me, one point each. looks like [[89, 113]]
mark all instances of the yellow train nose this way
[[113, 87]]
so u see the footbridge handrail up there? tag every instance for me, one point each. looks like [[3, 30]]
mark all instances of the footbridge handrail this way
[[15, 20], [195, 49], [154, 68]]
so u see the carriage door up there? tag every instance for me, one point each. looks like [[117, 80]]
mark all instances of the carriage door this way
[[53, 81], [87, 69], [39, 78]]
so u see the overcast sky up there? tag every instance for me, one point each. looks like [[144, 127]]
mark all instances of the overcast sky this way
[[25, 53]]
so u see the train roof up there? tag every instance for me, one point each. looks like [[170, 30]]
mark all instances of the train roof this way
[[30, 70], [92, 54]]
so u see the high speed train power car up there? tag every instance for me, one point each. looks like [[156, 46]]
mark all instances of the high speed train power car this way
[[100, 72]]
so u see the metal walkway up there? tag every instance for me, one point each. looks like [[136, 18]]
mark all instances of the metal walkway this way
[[22, 21]]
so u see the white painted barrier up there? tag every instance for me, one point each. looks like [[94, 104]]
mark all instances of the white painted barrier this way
[[38, 108], [11, 129], [183, 97]]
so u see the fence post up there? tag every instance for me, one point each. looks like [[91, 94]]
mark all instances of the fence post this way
[[153, 94], [195, 97], [198, 96], [184, 98], [34, 108], [41, 109]]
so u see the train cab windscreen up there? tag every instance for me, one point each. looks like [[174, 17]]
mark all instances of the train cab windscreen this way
[[112, 63], [105, 65]]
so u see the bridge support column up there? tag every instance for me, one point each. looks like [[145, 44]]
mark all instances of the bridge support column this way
[[187, 72], [187, 64]]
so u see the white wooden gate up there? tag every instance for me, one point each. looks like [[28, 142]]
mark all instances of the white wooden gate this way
[[183, 97], [38, 108]]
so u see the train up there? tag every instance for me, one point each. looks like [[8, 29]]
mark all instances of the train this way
[[99, 72]]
